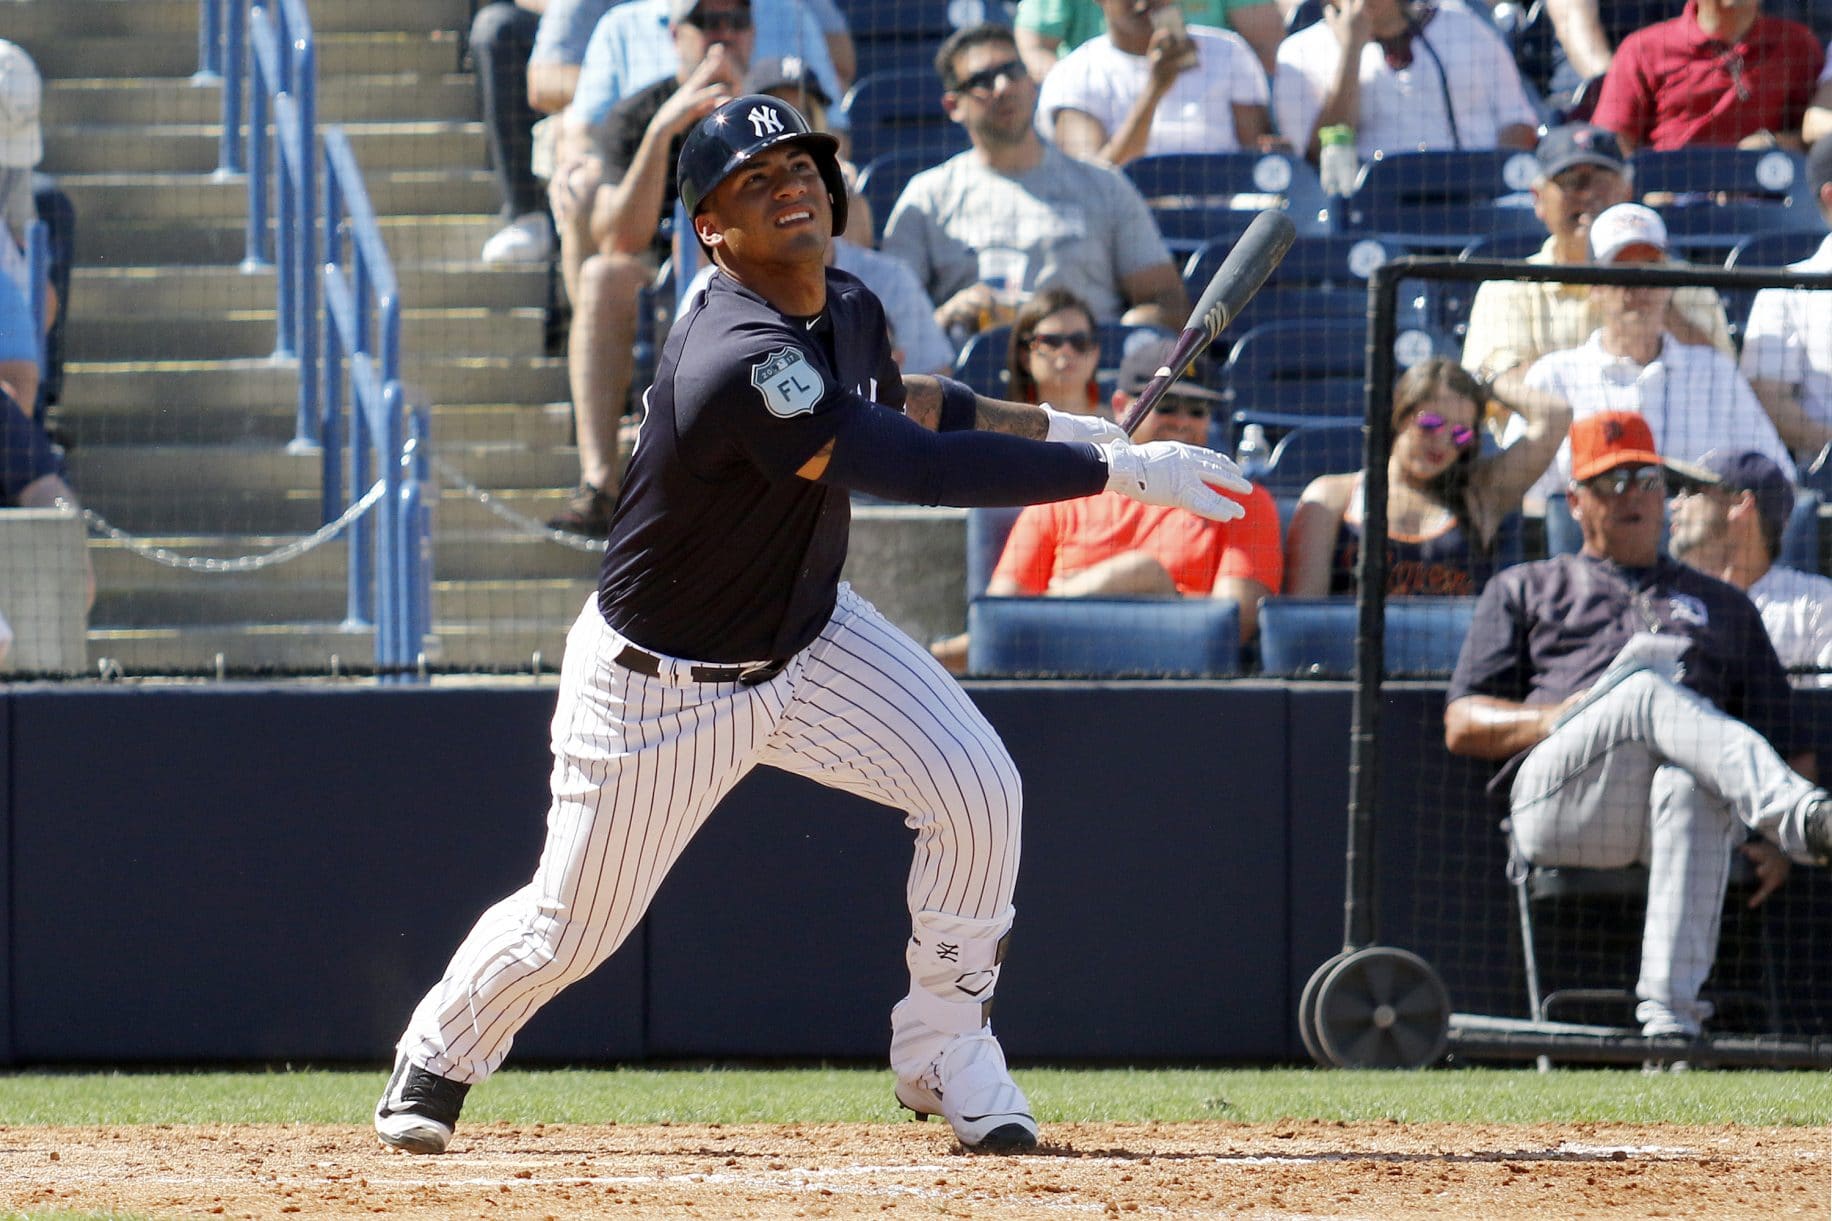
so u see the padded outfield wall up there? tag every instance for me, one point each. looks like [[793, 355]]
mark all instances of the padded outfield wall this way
[[232, 874]]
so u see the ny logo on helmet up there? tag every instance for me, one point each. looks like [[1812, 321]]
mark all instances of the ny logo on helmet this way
[[764, 121]]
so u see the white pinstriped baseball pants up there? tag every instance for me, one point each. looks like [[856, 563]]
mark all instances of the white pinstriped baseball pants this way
[[639, 763]]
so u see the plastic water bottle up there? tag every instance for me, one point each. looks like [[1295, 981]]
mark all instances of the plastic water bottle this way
[[1253, 451], [1338, 164]]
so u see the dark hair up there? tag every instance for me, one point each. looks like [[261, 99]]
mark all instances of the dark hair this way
[[962, 41], [1417, 386], [1047, 301]]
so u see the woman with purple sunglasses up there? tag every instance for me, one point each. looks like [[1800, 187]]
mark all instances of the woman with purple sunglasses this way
[[1445, 498]]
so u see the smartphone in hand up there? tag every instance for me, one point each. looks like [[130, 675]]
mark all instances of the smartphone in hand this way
[[1169, 17]]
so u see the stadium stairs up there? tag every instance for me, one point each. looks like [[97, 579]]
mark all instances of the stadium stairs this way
[[181, 416]]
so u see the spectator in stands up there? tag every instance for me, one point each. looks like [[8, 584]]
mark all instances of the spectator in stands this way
[[1055, 350], [1405, 76], [1048, 30], [641, 146], [1513, 323], [21, 147], [1013, 214], [1097, 546], [1146, 87], [1693, 397], [1787, 344], [1719, 73], [1643, 717], [1445, 500], [917, 342], [1732, 530], [1587, 33], [527, 56], [31, 472]]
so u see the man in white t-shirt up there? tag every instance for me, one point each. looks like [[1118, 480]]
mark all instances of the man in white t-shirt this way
[[1787, 346], [1692, 396], [1150, 86], [1733, 530], [1404, 76], [1012, 214]]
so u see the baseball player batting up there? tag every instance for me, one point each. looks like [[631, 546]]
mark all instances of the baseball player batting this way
[[721, 638]]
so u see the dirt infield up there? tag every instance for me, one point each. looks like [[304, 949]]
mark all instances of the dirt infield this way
[[1292, 1170]]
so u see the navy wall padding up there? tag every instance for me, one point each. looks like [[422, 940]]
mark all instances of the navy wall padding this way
[[6, 877]]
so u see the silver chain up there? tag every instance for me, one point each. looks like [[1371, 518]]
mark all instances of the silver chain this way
[[521, 521], [245, 563]]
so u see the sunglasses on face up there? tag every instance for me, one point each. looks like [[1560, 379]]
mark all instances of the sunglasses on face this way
[[1189, 407], [1074, 341], [1620, 480], [1431, 424], [734, 22], [987, 79]]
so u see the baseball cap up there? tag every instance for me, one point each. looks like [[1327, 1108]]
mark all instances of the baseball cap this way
[[1609, 439], [683, 10], [1142, 362], [1579, 144], [21, 91], [1748, 471], [785, 72], [1623, 225]]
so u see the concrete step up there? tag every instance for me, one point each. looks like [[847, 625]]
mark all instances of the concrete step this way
[[193, 148], [415, 53], [222, 241], [554, 600], [181, 385], [28, 22], [271, 424], [245, 598], [455, 509], [460, 555], [498, 465], [108, 290], [118, 568], [242, 647], [182, 199], [457, 332], [185, 99]]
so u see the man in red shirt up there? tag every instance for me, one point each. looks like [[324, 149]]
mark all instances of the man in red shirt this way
[[1719, 73], [1097, 545]]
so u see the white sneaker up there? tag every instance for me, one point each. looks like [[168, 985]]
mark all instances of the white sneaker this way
[[976, 1095], [526, 239]]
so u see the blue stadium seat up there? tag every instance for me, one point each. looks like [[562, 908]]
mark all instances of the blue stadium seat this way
[[1309, 451], [1455, 298], [900, 110], [1104, 637], [1442, 200], [987, 530], [882, 179], [1281, 375], [1315, 637], [1199, 198], [903, 35], [1713, 198], [1321, 276], [1776, 249]]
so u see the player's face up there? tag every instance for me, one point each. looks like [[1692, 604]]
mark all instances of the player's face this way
[[774, 209], [1568, 202], [1063, 353], [1175, 417], [1620, 513], [995, 97], [1434, 435]]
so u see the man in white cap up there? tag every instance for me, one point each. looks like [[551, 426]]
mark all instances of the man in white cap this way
[[1692, 396]]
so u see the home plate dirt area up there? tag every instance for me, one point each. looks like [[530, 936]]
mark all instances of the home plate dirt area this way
[[1215, 1169]]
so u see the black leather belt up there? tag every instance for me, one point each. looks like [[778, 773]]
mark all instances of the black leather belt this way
[[749, 674]]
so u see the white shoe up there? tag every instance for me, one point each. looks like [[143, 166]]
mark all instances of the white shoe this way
[[526, 239], [976, 1095]]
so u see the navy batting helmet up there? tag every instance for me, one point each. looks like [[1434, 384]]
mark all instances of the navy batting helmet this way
[[738, 131]]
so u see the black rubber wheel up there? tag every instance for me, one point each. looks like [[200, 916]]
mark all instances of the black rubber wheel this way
[[1380, 1007], [1307, 1009]]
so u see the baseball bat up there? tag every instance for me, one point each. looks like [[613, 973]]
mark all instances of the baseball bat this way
[[1240, 275]]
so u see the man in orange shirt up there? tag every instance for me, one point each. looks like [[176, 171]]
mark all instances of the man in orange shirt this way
[[1105, 544]]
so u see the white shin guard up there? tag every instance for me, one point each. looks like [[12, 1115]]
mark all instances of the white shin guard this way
[[954, 970]]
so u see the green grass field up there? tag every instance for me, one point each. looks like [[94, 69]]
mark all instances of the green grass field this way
[[845, 1095]]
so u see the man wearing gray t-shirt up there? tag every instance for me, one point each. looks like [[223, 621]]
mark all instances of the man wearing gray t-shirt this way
[[1012, 214]]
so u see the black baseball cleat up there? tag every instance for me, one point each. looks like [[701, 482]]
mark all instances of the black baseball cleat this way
[[976, 1095], [419, 1109]]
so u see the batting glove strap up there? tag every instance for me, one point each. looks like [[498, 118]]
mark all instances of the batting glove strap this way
[[1064, 426], [1180, 476]]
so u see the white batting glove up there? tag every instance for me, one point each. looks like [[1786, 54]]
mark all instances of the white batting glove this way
[[1065, 426], [1172, 473]]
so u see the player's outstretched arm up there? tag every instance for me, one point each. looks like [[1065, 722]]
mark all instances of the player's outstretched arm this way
[[931, 402]]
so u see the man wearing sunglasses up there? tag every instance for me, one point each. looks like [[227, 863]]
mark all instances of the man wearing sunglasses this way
[[1642, 717], [1012, 214]]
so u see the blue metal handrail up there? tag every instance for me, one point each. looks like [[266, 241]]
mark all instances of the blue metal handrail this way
[[362, 336], [38, 254]]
